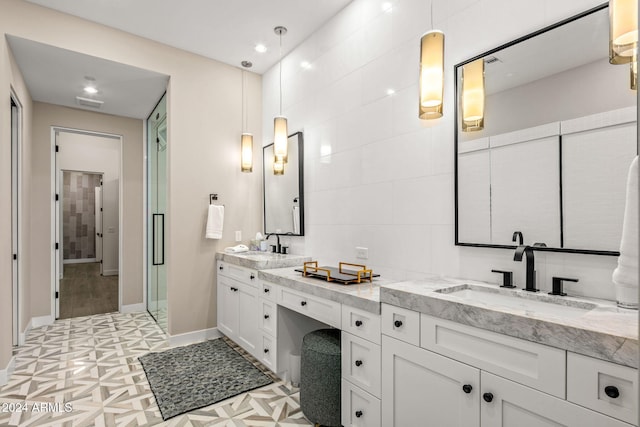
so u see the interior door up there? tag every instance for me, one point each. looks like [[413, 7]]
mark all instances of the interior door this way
[[98, 224], [15, 190], [156, 213]]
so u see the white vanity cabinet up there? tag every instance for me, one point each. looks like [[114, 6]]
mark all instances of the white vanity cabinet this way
[[460, 375], [238, 305]]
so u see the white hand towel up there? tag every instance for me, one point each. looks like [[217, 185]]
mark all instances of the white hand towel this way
[[215, 220], [625, 276], [296, 220]]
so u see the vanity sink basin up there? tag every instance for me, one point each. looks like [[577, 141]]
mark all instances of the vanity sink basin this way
[[517, 300]]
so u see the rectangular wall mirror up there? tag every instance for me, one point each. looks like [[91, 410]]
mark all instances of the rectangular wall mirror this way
[[550, 154], [283, 193]]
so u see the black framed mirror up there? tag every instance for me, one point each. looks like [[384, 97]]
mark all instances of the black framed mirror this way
[[551, 154], [283, 194]]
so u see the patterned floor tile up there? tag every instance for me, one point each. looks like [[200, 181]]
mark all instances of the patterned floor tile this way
[[85, 372]]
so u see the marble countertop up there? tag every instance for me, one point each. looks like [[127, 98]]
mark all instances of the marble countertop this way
[[365, 296], [604, 331], [262, 260]]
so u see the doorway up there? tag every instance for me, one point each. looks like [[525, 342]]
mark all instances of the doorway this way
[[156, 209], [16, 135], [88, 222]]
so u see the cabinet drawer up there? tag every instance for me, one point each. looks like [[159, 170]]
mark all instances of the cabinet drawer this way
[[525, 362], [361, 363], [593, 383], [268, 317], [241, 274], [361, 323], [359, 408], [401, 323], [317, 308], [268, 291], [267, 352]]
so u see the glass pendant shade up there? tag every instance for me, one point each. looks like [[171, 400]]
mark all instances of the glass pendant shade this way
[[623, 30], [246, 147], [278, 167], [473, 96], [431, 75], [280, 138], [634, 73]]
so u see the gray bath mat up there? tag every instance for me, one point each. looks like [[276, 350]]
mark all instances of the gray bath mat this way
[[198, 375]]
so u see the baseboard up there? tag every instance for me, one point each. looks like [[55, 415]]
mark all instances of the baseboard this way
[[110, 272], [79, 261], [133, 308], [23, 335], [194, 337], [36, 322], [5, 374]]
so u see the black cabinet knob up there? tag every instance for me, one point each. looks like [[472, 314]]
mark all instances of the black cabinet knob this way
[[266, 350], [234, 289], [612, 391], [397, 323], [467, 388], [488, 397], [266, 290], [303, 303], [221, 268], [266, 316], [358, 323], [358, 414], [358, 362], [253, 276]]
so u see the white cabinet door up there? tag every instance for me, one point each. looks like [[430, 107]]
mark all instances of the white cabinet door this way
[[248, 311], [421, 388], [509, 404], [228, 307]]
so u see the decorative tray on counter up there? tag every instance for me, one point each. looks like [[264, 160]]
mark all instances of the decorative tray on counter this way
[[341, 274]]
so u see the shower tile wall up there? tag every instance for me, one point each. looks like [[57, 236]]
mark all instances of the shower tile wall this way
[[78, 206]]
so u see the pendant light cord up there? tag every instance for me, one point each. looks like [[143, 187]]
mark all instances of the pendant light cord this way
[[431, 14], [281, 73], [242, 118]]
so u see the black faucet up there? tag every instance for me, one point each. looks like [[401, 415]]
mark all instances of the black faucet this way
[[518, 235], [527, 251], [278, 248]]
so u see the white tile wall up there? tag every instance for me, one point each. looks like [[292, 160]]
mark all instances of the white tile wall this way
[[377, 176]]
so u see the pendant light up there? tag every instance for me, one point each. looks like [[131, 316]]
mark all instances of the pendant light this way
[[246, 140], [431, 73], [278, 166], [623, 30], [634, 73], [280, 131], [473, 96]]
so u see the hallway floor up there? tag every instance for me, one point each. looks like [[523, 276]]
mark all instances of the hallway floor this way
[[91, 364], [84, 292]]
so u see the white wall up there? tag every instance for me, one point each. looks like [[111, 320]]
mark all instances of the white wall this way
[[388, 184], [97, 154]]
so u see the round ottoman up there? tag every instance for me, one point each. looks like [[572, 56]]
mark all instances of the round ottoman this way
[[320, 377]]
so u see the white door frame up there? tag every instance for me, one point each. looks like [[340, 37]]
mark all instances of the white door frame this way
[[56, 254], [16, 211]]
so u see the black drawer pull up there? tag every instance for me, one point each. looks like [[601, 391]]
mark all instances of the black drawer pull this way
[[467, 388], [266, 350], [234, 289], [358, 323], [266, 316], [303, 303], [488, 397], [266, 290], [358, 362], [397, 323], [358, 414], [253, 276], [612, 391], [221, 268]]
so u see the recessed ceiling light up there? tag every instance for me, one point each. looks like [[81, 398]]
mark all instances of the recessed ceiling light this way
[[390, 92], [305, 64], [261, 48], [246, 64], [90, 89], [387, 7]]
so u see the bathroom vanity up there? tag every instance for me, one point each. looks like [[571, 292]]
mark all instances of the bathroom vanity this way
[[451, 351]]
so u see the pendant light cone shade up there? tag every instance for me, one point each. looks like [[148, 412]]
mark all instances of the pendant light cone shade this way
[[278, 167], [431, 75], [623, 30], [246, 147], [473, 96], [280, 138]]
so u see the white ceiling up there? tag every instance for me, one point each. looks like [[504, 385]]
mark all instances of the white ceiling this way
[[223, 30], [226, 31]]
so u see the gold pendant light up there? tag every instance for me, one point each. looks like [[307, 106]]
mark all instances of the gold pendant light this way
[[246, 140], [431, 73], [473, 96], [623, 30], [278, 166], [280, 131]]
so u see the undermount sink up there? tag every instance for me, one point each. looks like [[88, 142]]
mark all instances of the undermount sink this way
[[519, 300]]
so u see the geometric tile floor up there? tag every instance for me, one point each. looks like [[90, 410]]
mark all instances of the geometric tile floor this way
[[85, 372]]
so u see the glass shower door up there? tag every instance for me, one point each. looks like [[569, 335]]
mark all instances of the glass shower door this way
[[157, 207]]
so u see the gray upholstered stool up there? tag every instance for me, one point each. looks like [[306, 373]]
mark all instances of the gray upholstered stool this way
[[320, 377]]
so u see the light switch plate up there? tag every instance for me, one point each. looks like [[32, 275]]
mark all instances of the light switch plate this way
[[362, 253], [238, 236]]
